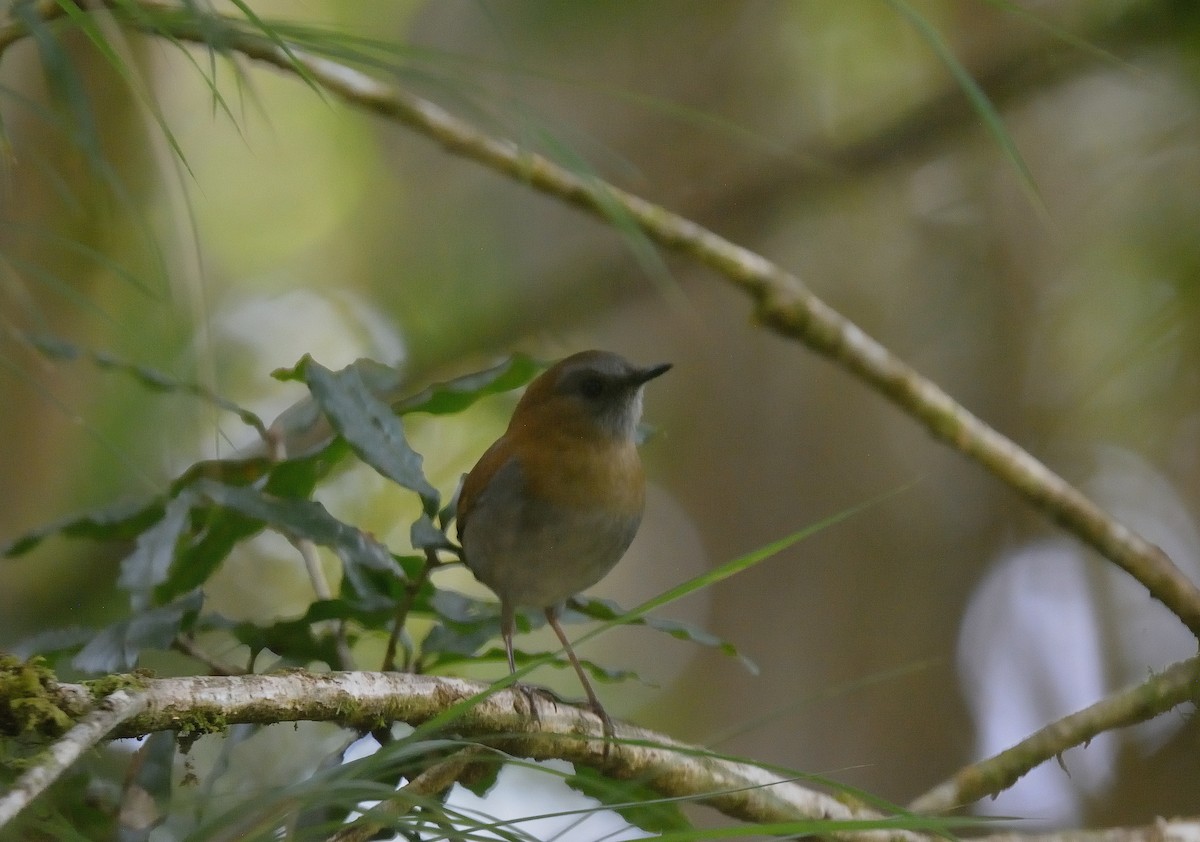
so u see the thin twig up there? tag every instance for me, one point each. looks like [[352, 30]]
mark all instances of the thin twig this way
[[187, 645], [90, 730], [312, 564], [1175, 685], [405, 605]]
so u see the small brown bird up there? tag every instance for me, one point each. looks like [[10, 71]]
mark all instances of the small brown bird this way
[[552, 506]]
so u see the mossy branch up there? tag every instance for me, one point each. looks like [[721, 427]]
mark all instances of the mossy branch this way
[[201, 705]]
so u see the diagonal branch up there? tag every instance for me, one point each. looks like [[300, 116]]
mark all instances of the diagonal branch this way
[[1177, 684], [782, 302], [87, 733]]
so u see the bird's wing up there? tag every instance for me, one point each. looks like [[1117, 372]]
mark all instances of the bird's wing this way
[[477, 480]]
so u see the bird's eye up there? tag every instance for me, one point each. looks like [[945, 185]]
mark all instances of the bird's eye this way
[[591, 387]]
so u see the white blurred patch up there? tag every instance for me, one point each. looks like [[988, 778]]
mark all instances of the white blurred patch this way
[[1053, 629], [260, 332], [533, 790]]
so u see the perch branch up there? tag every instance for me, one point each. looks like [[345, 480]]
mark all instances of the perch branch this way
[[362, 700]]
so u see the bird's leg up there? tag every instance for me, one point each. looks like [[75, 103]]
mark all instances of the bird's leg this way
[[507, 621], [593, 699]]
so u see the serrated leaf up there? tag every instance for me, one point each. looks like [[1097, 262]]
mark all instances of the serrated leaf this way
[[370, 427], [372, 590], [445, 639], [305, 430], [300, 640], [637, 803], [412, 565], [450, 511], [297, 476], [117, 647]]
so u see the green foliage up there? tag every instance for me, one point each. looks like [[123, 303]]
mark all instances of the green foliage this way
[[179, 540]]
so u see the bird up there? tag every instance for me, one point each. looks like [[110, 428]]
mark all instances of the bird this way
[[555, 502]]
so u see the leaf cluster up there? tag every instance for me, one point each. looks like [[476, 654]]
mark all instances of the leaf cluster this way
[[178, 539]]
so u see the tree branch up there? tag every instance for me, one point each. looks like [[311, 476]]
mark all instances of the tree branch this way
[[782, 302], [1177, 684], [363, 700], [88, 732], [786, 306]]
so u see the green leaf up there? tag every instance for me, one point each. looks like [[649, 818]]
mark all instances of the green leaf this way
[[735, 566], [374, 591], [117, 647], [298, 475], [306, 432], [447, 639], [295, 641], [637, 803], [301, 640], [464, 624], [369, 426], [224, 515], [304, 519], [605, 609], [127, 521], [151, 379], [425, 535], [452, 396], [53, 642], [213, 534], [458, 608], [154, 551], [522, 658], [118, 522]]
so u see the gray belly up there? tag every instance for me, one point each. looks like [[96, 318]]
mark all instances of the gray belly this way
[[535, 554]]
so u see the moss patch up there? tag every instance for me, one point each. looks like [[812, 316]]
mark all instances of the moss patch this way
[[28, 703]]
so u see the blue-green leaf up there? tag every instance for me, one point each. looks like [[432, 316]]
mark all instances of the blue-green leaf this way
[[370, 427]]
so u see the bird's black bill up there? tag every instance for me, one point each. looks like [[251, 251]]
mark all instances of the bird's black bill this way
[[645, 375]]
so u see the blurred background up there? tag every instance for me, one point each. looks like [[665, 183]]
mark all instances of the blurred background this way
[[930, 629]]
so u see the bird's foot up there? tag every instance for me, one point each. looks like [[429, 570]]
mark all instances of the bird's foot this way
[[531, 705], [607, 724]]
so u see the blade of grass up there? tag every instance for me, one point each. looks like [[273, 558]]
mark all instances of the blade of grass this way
[[977, 97], [738, 565]]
